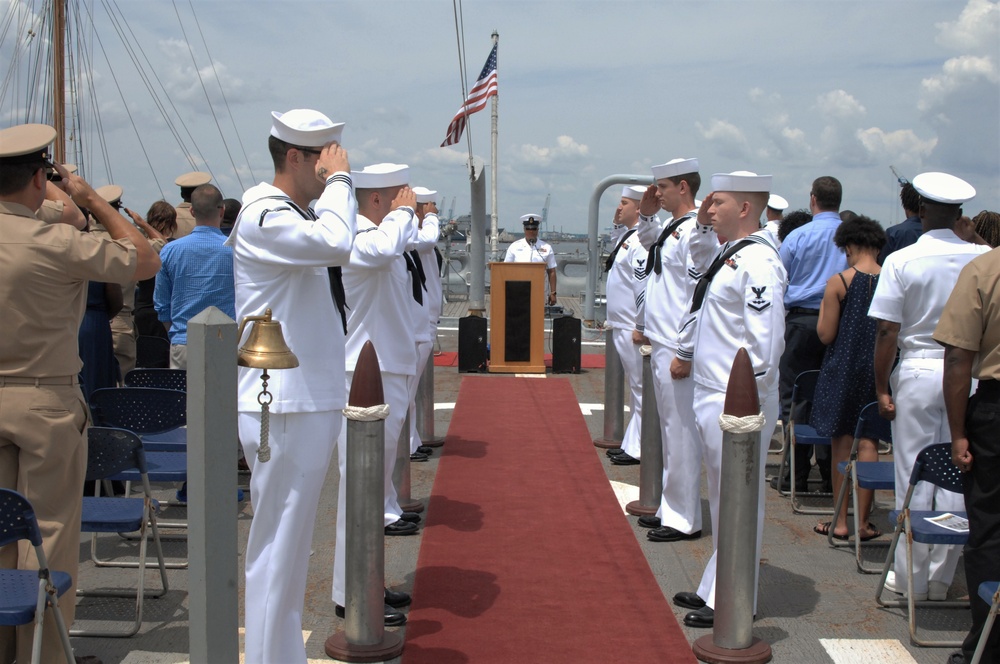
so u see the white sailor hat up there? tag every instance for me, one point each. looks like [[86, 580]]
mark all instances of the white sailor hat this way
[[193, 179], [943, 188], [112, 193], [26, 143], [634, 192], [379, 176], [776, 202], [425, 195], [675, 167], [305, 127], [743, 181], [531, 220]]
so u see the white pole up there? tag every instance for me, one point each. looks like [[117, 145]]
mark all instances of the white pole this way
[[493, 170]]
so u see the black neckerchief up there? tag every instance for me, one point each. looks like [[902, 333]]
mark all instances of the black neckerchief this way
[[417, 278], [701, 288], [611, 257], [653, 263]]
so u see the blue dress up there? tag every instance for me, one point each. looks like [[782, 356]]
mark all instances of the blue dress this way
[[846, 382], [100, 368]]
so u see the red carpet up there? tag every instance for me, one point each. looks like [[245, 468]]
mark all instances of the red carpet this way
[[526, 556], [593, 361]]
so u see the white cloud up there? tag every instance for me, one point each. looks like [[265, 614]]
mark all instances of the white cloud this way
[[729, 139], [565, 149], [977, 29], [839, 105], [900, 147]]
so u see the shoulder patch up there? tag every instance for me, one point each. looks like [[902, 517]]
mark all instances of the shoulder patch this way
[[758, 298]]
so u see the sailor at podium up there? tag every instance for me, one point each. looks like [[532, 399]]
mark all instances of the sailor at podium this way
[[530, 249]]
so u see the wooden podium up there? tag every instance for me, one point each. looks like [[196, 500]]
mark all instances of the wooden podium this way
[[517, 317]]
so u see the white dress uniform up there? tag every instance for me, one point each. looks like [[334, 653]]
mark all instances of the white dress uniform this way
[[380, 309], [280, 260], [625, 286], [427, 237], [912, 290], [742, 308], [686, 253]]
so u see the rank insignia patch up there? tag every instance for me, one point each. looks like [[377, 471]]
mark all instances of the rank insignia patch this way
[[758, 298]]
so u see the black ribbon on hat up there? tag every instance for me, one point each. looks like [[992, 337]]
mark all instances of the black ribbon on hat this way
[[654, 263]]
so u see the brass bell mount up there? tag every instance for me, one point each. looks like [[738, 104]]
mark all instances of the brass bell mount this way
[[265, 348]]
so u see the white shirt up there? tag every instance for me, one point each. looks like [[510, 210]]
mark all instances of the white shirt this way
[[626, 284], [685, 255], [279, 263], [380, 300], [915, 283], [743, 308], [522, 252]]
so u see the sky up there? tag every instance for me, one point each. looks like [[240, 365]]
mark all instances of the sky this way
[[792, 88]]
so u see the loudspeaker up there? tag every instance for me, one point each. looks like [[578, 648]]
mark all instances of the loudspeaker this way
[[472, 354], [566, 333]]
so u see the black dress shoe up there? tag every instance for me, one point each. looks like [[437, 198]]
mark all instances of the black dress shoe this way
[[390, 616], [401, 527], [703, 617], [615, 451], [410, 517], [956, 658], [689, 600], [668, 534], [624, 460], [423, 449], [649, 521], [417, 456], [800, 487], [397, 599]]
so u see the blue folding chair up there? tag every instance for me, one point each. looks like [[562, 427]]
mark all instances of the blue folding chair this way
[[989, 592], [25, 595], [799, 431], [110, 453], [933, 465], [874, 475], [168, 379]]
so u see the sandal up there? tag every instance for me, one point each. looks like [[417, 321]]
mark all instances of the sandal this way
[[873, 532], [824, 530]]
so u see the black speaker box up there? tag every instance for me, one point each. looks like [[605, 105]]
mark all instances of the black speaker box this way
[[566, 333], [472, 357]]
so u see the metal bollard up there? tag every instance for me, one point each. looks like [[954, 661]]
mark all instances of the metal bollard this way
[[364, 635], [425, 406], [401, 471], [732, 639], [651, 446], [614, 396]]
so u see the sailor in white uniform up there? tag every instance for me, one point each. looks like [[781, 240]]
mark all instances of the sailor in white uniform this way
[[679, 253], [912, 290], [425, 247], [381, 309], [738, 303], [282, 250], [626, 267], [530, 249], [776, 205]]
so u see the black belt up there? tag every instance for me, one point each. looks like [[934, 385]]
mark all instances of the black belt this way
[[803, 310], [988, 388]]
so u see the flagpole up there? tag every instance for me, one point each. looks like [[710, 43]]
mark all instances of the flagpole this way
[[494, 255]]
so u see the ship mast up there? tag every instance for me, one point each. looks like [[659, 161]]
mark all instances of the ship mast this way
[[58, 78]]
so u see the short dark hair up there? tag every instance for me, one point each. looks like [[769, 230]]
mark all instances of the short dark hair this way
[[791, 221], [828, 192], [205, 201], [278, 149], [860, 231], [909, 197], [15, 176], [233, 207], [693, 180]]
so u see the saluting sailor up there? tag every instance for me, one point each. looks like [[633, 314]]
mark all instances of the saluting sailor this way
[[912, 290], [736, 304], [382, 309], [188, 183], [530, 249], [286, 257], [626, 285], [776, 205]]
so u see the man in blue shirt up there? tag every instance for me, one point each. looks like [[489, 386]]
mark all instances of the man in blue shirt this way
[[196, 273], [907, 231], [810, 258]]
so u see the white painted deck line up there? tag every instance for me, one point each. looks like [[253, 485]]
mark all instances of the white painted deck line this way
[[589, 408], [625, 493], [851, 651]]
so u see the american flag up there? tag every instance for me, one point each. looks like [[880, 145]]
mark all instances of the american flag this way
[[485, 87]]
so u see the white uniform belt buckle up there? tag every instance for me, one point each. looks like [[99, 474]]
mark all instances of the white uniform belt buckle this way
[[46, 380]]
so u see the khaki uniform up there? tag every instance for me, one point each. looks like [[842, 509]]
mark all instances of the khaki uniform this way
[[43, 418], [185, 220]]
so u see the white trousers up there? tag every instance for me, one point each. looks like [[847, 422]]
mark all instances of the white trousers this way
[[285, 494], [920, 421], [424, 349], [680, 504], [631, 360], [394, 391], [708, 407]]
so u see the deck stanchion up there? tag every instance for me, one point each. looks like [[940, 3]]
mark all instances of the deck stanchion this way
[[425, 406], [650, 446], [401, 471], [614, 396], [364, 638], [732, 639]]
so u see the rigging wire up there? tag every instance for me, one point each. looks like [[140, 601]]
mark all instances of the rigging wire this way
[[225, 101], [460, 38]]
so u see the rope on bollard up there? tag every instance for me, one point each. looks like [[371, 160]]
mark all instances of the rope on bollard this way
[[369, 414], [747, 424], [645, 350]]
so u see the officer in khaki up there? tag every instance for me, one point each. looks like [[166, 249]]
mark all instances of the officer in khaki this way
[[122, 325], [43, 418], [188, 183]]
